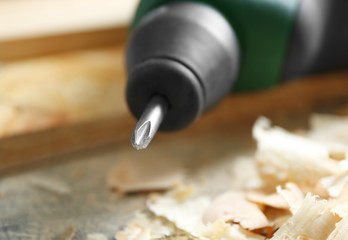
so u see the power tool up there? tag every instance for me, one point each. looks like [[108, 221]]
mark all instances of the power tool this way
[[184, 57]]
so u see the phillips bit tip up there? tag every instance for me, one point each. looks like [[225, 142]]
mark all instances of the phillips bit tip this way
[[149, 122]]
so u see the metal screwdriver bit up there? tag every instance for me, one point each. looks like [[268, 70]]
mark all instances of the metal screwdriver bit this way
[[149, 122]]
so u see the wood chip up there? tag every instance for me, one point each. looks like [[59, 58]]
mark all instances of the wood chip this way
[[341, 230], [142, 227], [299, 226], [334, 184], [233, 207], [292, 195], [284, 157], [96, 236], [299, 165], [134, 175], [186, 215], [332, 132], [273, 200]]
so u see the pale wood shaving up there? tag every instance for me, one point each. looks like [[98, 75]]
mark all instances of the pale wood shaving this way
[[219, 230], [96, 236], [339, 205], [144, 228], [297, 225], [295, 166], [233, 207], [331, 131], [292, 195], [134, 175], [186, 215], [341, 230], [284, 157], [273, 200], [334, 184], [322, 226]]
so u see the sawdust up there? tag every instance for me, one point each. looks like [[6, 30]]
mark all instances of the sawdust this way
[[301, 191]]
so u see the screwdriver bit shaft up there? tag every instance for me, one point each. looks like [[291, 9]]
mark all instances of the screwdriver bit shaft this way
[[149, 122]]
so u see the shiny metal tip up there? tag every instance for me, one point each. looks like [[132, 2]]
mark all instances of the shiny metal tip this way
[[149, 122]]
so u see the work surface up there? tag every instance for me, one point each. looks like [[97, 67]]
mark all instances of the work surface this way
[[69, 193], [53, 182]]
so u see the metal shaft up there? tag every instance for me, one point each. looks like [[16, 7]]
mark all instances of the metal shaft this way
[[149, 122]]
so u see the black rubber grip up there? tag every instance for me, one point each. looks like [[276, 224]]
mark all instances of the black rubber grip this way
[[186, 52]]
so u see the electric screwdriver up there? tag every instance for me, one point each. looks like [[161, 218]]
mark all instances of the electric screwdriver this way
[[184, 57]]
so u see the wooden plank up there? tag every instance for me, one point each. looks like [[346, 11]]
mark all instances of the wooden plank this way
[[45, 45], [306, 95], [59, 89], [37, 27], [22, 19]]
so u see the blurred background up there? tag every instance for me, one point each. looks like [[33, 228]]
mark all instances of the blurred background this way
[[61, 61]]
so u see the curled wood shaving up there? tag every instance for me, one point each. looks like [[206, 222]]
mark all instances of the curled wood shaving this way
[[339, 205], [188, 216], [285, 157], [334, 184], [341, 230], [134, 175], [322, 226], [331, 131], [233, 207], [297, 226], [144, 228], [96, 236], [299, 165], [292, 195], [219, 230], [274, 200]]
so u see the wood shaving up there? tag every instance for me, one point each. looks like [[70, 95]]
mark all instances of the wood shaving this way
[[142, 227], [339, 205], [292, 195], [297, 225], [293, 170], [341, 230], [134, 175], [334, 184], [234, 207], [285, 157], [332, 132], [96, 236], [274, 200], [219, 230], [186, 215]]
